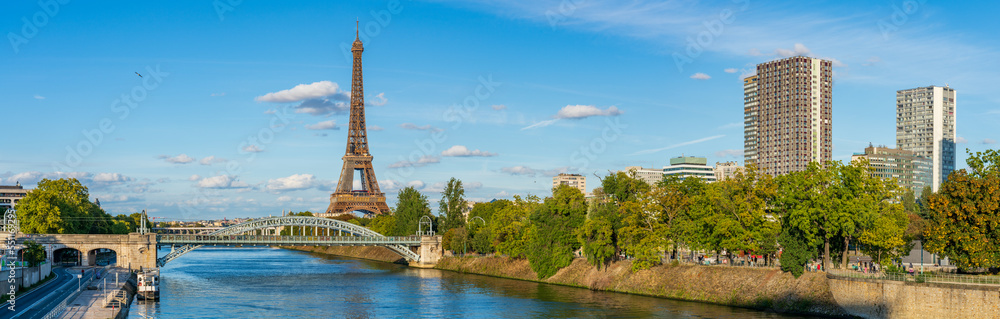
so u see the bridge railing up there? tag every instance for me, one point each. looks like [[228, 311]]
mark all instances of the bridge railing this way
[[278, 239]]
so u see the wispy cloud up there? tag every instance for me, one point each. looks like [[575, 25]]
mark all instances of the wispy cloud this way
[[989, 141], [729, 153], [540, 124], [462, 151], [528, 171], [700, 76], [325, 125], [422, 161], [650, 151], [179, 159], [411, 126], [585, 111], [39, 97]]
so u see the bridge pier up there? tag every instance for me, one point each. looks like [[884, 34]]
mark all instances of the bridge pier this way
[[430, 252]]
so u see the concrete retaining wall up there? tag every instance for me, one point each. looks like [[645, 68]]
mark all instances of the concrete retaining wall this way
[[869, 298]]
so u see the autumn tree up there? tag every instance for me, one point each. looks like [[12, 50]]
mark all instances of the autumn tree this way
[[965, 213]]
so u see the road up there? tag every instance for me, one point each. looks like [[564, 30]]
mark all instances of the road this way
[[38, 303]]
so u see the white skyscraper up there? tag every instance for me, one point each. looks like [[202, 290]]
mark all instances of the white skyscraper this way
[[925, 124]]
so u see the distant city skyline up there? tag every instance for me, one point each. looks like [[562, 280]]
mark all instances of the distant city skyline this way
[[196, 112]]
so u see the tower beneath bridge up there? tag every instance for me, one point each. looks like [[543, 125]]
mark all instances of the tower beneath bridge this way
[[369, 198]]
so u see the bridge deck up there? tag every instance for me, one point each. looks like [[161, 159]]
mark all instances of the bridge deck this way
[[285, 240]]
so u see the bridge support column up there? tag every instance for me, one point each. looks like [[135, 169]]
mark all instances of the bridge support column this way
[[430, 252]]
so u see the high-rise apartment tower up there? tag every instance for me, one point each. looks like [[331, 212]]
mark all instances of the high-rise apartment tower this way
[[788, 114], [925, 124]]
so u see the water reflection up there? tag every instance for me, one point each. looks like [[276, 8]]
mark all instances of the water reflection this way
[[269, 283]]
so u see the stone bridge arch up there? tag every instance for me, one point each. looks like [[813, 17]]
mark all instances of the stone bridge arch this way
[[133, 250]]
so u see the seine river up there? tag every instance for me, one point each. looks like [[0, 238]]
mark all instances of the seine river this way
[[276, 283]]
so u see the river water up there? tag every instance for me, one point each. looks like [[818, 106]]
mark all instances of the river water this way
[[276, 283]]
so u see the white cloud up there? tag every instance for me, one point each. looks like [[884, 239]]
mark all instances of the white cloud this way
[[284, 198], [961, 140], [271, 111], [301, 92], [221, 182], [585, 111], [650, 151], [252, 149], [528, 171], [211, 160], [379, 100], [415, 184], [411, 126], [989, 141], [798, 49], [110, 178], [700, 76], [462, 151], [324, 125], [731, 70], [729, 153], [39, 97], [473, 185], [179, 159], [423, 161], [375, 128], [218, 94], [194, 177], [499, 107], [290, 183], [389, 185]]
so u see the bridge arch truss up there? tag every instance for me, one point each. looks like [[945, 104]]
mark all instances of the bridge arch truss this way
[[288, 221]]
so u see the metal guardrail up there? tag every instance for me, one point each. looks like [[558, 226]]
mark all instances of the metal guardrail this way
[[58, 309], [935, 277], [196, 239]]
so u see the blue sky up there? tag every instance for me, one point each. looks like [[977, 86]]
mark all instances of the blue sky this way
[[500, 94]]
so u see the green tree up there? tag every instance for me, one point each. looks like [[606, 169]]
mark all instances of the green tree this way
[[61, 207], [511, 227], [34, 253], [965, 214], [554, 226], [736, 216], [909, 202], [452, 204], [383, 224], [924, 209], [597, 235], [623, 187], [409, 208], [796, 251]]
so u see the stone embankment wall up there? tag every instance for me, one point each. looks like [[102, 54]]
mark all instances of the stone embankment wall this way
[[375, 253], [758, 288], [870, 298]]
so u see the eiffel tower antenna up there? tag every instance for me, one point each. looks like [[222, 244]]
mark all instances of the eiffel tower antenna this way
[[369, 199]]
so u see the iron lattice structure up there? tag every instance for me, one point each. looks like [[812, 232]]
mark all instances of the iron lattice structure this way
[[370, 237], [369, 199]]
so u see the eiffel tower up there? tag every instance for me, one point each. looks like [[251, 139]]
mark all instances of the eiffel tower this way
[[369, 199]]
